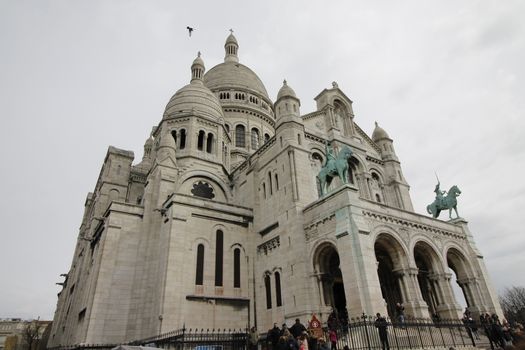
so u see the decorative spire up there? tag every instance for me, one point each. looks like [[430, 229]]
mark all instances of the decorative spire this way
[[197, 69], [231, 47]]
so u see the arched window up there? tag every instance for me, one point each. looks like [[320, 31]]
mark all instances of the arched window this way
[[268, 286], [266, 138], [270, 183], [264, 190], [239, 136], [174, 134], [237, 268], [278, 299], [317, 164], [352, 168], [219, 243], [200, 140], [378, 198], [276, 182], [255, 138], [182, 139], [199, 273], [209, 143]]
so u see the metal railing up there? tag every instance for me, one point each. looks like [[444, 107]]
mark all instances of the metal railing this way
[[362, 333], [359, 334], [181, 339]]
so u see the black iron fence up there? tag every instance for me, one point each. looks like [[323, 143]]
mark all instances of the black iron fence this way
[[181, 339], [364, 333], [360, 333], [199, 339]]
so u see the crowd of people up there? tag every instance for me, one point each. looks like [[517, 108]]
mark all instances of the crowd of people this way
[[298, 337], [501, 333]]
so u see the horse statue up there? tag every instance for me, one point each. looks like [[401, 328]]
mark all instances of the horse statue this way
[[445, 202], [334, 166]]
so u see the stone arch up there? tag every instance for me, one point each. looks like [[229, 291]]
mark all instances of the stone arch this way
[[240, 135], [200, 268], [342, 114], [113, 195], [326, 264], [466, 278], [375, 185], [392, 260], [237, 245], [186, 183], [429, 266], [356, 168], [267, 280]]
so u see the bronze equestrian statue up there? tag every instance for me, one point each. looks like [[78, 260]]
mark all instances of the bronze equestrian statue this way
[[443, 202], [334, 166]]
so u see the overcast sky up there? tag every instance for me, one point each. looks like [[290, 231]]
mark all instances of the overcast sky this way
[[445, 79]]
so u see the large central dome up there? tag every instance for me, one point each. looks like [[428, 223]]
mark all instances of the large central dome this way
[[234, 75]]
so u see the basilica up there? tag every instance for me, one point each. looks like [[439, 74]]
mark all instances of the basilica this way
[[225, 223]]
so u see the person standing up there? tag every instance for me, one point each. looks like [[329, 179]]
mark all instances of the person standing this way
[[381, 326], [254, 338], [303, 341], [333, 339], [273, 336], [400, 311], [297, 329]]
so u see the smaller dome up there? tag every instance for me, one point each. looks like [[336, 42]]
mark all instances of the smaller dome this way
[[231, 39], [198, 61], [379, 134], [285, 91], [195, 97]]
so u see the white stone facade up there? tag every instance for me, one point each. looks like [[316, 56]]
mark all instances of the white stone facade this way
[[221, 224]]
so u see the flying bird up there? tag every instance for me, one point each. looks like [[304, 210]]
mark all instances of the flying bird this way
[[190, 29]]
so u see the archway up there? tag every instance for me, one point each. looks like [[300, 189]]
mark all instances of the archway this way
[[457, 262], [389, 256], [333, 291], [426, 262]]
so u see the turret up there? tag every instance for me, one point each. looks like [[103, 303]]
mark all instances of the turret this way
[[395, 179], [231, 47], [197, 70], [287, 105], [385, 143], [166, 148]]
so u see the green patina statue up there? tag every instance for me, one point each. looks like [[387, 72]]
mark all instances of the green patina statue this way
[[334, 166], [443, 201]]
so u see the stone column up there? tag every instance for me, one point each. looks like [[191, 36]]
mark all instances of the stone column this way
[[448, 308], [472, 294], [366, 185], [362, 185], [412, 298]]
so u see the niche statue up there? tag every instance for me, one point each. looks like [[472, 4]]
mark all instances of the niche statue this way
[[334, 166]]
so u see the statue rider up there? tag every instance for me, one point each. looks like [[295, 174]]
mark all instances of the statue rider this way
[[439, 194], [329, 153]]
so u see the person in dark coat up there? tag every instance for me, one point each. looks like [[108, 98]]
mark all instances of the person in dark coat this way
[[283, 343], [381, 326], [273, 336], [297, 329]]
